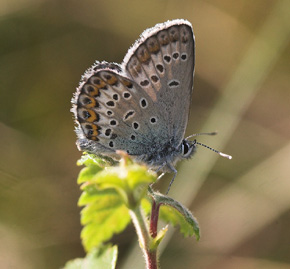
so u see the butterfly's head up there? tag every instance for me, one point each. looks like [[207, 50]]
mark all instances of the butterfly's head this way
[[187, 148]]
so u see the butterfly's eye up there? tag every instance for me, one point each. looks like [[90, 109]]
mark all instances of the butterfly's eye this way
[[186, 149]]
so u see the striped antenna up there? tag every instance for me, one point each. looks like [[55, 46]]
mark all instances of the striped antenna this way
[[216, 151]]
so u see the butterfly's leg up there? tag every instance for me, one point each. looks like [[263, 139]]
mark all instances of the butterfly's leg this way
[[160, 176], [160, 167], [175, 173]]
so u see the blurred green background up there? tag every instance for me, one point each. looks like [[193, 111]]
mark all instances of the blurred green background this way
[[242, 90]]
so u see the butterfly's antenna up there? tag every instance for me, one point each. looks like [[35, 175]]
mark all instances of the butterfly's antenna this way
[[212, 133], [216, 151]]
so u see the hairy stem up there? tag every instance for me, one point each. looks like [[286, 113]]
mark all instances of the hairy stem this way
[[154, 219], [144, 237]]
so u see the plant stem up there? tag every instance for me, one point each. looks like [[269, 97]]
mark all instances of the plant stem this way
[[144, 238], [154, 219]]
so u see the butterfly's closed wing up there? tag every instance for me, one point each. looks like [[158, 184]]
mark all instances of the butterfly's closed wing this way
[[162, 62], [111, 114]]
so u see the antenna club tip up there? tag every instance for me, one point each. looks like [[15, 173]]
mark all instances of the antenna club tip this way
[[226, 155]]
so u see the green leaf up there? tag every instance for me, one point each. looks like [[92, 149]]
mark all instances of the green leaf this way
[[93, 195], [188, 225], [100, 160], [130, 181], [103, 257], [93, 164], [131, 176], [111, 178], [104, 216], [146, 205], [108, 194], [140, 176], [157, 240], [87, 173], [178, 215]]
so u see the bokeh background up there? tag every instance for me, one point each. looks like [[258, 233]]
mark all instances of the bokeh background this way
[[242, 90]]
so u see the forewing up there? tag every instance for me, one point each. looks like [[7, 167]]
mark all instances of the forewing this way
[[162, 63]]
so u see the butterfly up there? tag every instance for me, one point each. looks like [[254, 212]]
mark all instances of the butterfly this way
[[142, 105]]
